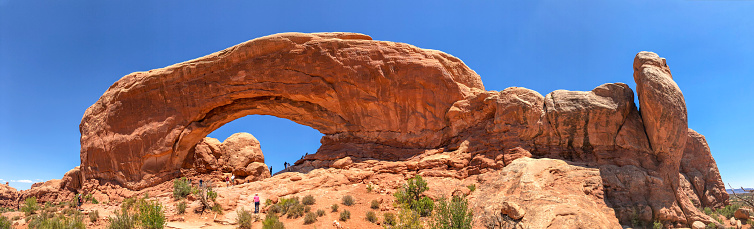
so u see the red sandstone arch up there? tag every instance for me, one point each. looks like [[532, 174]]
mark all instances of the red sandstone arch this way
[[347, 86]]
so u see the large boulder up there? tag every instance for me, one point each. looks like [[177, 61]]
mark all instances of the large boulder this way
[[347, 86], [8, 196], [240, 154]]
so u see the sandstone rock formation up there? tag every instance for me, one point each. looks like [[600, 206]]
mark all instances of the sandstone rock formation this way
[[8, 196], [240, 154], [395, 108]]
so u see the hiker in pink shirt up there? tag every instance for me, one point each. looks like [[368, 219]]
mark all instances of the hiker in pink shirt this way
[[256, 203]]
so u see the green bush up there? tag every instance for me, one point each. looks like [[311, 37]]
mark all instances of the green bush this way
[[217, 208], [5, 223], [345, 215], [94, 216], [375, 204], [334, 207], [151, 215], [472, 187], [310, 218], [53, 222], [388, 219], [308, 200], [307, 209], [30, 206], [122, 220], [453, 214], [244, 219], [707, 211], [348, 200], [711, 226], [320, 212], [287, 203], [371, 217], [370, 188], [657, 225], [728, 211], [181, 188], [408, 219], [410, 196], [181, 207], [271, 221], [296, 211]]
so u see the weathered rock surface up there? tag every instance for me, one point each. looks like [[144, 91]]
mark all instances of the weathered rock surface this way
[[552, 194], [391, 108], [8, 196]]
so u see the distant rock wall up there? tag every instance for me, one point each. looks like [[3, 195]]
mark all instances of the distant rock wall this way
[[391, 101]]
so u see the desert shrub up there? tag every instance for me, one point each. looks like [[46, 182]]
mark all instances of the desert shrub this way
[[271, 221], [181, 188], [707, 211], [375, 204], [296, 211], [320, 212], [348, 200], [122, 220], [711, 226], [308, 200], [334, 207], [728, 211], [127, 204], [30, 206], [181, 207], [287, 203], [370, 188], [472, 187], [217, 208], [408, 219], [211, 194], [5, 223], [388, 219], [307, 209], [54, 222], [310, 218], [70, 211], [276, 209], [345, 215], [657, 225], [151, 215], [244, 219], [95, 201], [371, 217], [410, 196], [453, 214], [94, 216]]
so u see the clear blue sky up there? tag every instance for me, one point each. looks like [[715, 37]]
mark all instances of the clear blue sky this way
[[58, 57]]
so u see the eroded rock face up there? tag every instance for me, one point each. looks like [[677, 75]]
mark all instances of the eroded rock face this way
[[413, 111], [8, 196], [551, 193], [345, 85]]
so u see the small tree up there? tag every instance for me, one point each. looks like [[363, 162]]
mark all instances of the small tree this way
[[30, 206], [454, 214], [408, 219], [181, 188], [410, 196], [271, 221], [151, 215]]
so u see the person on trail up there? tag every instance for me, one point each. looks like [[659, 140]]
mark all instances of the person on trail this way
[[233, 179], [201, 183], [81, 200], [256, 203]]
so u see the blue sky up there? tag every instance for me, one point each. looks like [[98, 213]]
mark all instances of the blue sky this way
[[58, 57]]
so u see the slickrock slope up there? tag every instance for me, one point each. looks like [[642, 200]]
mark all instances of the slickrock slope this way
[[405, 110]]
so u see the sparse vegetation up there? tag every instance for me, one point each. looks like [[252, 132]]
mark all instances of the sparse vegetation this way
[[371, 217], [181, 207], [52, 221], [310, 218], [410, 196], [206, 194], [5, 223], [308, 200], [181, 188], [244, 219], [375, 204], [334, 207], [122, 220], [295, 211], [453, 214], [711, 226], [370, 188], [151, 215], [30, 206], [271, 221], [472, 187], [495, 220], [94, 216], [408, 219], [388, 219], [217, 208], [657, 225], [345, 215], [728, 211], [320, 212], [348, 200]]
